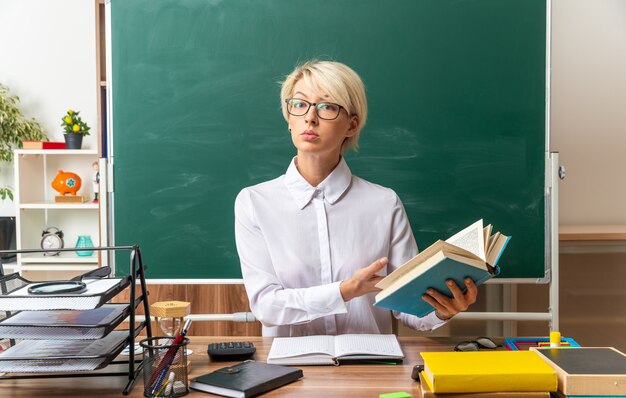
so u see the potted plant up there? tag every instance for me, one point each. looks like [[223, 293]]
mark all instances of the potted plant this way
[[75, 128], [14, 128]]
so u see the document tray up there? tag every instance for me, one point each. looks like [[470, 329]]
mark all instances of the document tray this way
[[15, 295], [64, 324], [63, 355]]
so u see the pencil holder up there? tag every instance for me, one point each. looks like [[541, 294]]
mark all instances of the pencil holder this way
[[165, 367]]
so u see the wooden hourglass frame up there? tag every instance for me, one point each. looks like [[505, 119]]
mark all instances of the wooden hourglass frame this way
[[176, 310]]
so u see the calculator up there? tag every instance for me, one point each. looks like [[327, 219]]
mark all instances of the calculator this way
[[231, 350]]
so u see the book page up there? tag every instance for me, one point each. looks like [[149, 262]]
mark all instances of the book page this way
[[492, 240], [287, 347], [497, 248], [487, 234], [470, 239], [369, 344]]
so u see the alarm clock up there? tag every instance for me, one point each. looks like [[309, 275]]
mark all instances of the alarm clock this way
[[52, 238]]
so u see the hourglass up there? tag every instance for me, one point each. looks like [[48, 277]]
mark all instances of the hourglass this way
[[169, 315]]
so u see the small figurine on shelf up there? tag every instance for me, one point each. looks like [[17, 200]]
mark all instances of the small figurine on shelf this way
[[67, 183], [96, 180]]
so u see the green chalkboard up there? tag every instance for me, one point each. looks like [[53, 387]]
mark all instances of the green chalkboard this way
[[456, 126]]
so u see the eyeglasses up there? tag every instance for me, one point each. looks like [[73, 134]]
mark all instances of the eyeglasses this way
[[325, 110], [475, 345]]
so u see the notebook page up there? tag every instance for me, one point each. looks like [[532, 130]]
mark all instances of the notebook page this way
[[287, 347], [370, 344]]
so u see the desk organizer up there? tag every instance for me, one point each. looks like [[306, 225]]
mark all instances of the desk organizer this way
[[17, 298], [70, 335], [34, 356], [64, 324]]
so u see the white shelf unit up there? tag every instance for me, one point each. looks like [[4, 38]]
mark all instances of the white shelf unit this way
[[36, 210]]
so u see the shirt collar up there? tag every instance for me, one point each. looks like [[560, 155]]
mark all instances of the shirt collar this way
[[337, 182]]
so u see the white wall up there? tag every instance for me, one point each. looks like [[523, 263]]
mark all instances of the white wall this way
[[48, 59], [589, 109]]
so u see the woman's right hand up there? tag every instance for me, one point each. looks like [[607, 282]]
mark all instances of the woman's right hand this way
[[363, 281]]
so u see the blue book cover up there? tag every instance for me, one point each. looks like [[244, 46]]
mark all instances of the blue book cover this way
[[466, 254], [408, 297]]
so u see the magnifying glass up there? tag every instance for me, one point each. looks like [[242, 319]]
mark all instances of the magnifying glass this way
[[57, 287], [75, 285]]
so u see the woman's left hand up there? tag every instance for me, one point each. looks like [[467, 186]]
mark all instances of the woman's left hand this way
[[446, 307]]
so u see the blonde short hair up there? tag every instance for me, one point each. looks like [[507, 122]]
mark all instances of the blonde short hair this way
[[340, 82]]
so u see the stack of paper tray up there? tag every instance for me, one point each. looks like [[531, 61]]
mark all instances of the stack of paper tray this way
[[17, 298], [66, 332], [64, 324], [62, 355]]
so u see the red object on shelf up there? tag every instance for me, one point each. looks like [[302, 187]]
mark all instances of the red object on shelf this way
[[43, 145]]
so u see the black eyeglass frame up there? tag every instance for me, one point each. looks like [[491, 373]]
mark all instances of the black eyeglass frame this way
[[314, 105], [477, 344]]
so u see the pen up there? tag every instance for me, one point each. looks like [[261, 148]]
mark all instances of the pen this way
[[380, 362], [168, 358]]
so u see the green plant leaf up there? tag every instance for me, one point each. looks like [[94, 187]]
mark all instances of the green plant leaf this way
[[14, 128]]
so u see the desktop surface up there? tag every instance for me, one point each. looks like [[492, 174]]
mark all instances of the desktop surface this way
[[364, 380]]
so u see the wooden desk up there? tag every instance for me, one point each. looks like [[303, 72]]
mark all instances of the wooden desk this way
[[319, 381]]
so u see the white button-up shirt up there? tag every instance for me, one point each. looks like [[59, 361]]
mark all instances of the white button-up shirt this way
[[296, 244]]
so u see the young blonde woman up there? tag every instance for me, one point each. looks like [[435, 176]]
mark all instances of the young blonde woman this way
[[314, 241]]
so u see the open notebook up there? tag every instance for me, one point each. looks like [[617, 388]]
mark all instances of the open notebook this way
[[331, 350]]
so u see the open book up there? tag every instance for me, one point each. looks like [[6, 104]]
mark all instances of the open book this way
[[474, 252], [331, 350]]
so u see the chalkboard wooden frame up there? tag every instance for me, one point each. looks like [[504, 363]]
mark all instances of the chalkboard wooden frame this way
[[459, 131]]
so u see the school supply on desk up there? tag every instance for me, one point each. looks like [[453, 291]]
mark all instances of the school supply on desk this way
[[98, 292], [426, 392], [415, 373], [332, 350], [165, 355], [587, 370], [474, 252], [524, 343], [64, 324], [487, 371], [397, 394], [74, 285], [62, 355], [246, 379], [230, 350]]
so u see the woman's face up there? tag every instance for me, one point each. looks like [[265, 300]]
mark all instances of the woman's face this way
[[313, 135]]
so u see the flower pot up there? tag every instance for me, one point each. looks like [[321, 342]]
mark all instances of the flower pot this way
[[73, 141]]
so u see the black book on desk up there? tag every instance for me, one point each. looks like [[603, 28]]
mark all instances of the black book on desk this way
[[246, 379]]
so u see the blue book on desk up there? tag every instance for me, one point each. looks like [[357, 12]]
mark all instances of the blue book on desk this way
[[473, 252]]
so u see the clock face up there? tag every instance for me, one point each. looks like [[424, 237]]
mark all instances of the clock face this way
[[51, 242]]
